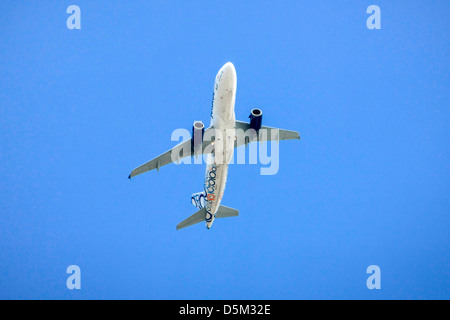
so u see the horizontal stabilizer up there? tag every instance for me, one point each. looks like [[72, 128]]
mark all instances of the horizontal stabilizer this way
[[197, 217], [224, 212]]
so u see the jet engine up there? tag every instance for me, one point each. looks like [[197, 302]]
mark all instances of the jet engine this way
[[256, 119], [198, 130]]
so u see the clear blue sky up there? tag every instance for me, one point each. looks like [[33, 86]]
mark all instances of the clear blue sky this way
[[367, 184]]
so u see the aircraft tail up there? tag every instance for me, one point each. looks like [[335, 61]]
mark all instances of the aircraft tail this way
[[225, 212], [199, 199], [197, 217], [200, 215]]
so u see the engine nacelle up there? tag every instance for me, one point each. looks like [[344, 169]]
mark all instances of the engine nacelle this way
[[256, 119], [198, 130]]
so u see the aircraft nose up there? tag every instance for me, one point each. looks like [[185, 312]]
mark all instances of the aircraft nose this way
[[228, 70], [227, 76]]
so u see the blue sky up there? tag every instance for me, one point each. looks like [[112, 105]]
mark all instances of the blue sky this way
[[366, 185]]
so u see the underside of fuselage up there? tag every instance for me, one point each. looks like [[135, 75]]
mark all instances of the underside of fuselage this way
[[223, 120]]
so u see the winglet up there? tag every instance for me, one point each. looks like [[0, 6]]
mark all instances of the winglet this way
[[129, 177]]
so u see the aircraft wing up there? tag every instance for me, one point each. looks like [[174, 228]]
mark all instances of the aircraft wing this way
[[180, 151], [264, 134], [184, 149]]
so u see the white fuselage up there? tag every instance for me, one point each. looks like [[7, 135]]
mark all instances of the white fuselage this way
[[223, 120]]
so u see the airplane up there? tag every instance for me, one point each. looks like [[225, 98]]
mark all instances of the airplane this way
[[223, 138]]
